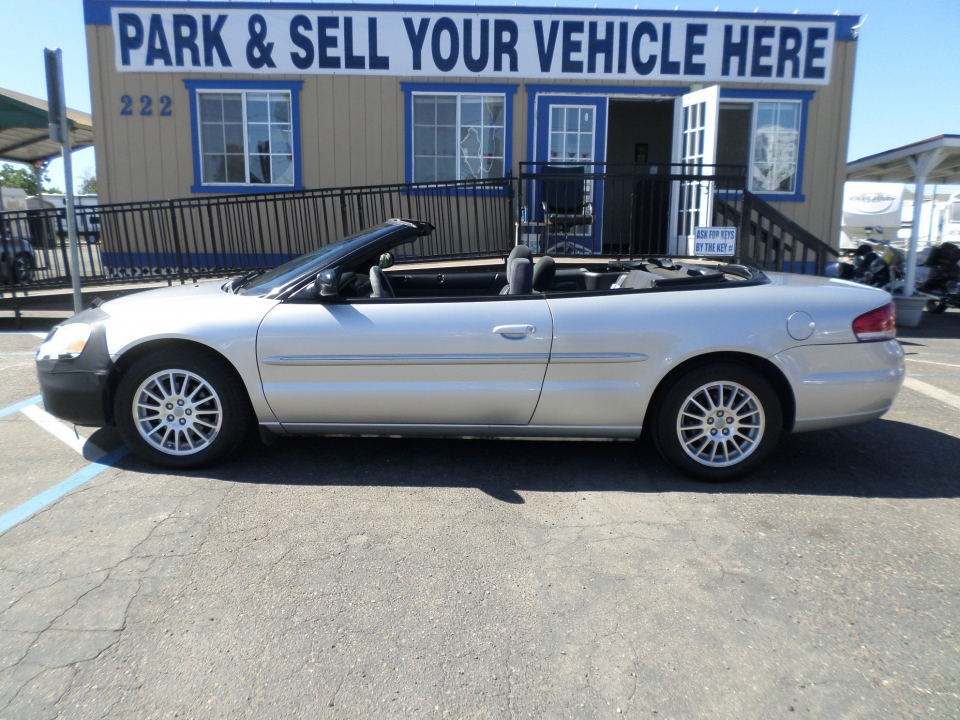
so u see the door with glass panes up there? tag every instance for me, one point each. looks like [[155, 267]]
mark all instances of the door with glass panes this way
[[695, 120], [570, 144]]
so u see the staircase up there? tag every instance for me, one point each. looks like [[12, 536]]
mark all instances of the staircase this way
[[769, 239]]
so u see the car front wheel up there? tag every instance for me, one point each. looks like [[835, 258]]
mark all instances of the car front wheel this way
[[181, 409], [719, 422]]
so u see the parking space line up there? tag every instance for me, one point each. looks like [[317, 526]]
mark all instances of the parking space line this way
[[931, 362], [63, 433], [936, 393], [47, 497], [42, 336], [10, 410]]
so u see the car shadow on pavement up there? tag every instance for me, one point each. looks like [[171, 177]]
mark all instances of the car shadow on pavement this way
[[884, 458], [946, 325]]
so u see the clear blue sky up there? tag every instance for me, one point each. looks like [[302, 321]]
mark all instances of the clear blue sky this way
[[906, 85]]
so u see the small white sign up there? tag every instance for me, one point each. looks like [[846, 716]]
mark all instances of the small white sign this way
[[713, 241]]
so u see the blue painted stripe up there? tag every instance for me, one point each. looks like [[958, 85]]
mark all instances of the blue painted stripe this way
[[20, 406], [47, 497]]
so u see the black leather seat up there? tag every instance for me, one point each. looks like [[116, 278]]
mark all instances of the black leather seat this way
[[543, 273], [380, 284], [519, 252], [521, 277]]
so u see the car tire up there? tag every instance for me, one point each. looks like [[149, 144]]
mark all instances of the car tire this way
[[701, 405], [23, 267], [936, 307], [181, 410]]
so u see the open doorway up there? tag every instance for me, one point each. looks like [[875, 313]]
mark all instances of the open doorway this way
[[733, 137], [637, 210]]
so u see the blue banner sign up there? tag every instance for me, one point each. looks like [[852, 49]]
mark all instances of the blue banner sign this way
[[488, 43]]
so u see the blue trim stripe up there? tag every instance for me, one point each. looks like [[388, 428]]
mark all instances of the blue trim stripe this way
[[48, 497], [20, 406], [194, 260]]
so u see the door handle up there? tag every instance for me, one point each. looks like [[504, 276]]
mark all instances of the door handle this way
[[515, 329]]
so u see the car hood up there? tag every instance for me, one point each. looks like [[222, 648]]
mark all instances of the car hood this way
[[200, 312], [174, 292]]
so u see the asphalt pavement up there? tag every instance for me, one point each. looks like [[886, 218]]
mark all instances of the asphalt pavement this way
[[337, 577]]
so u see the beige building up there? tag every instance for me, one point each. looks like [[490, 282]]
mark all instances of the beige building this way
[[198, 97]]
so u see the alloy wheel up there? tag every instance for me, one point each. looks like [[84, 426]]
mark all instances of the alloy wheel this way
[[720, 424], [177, 412]]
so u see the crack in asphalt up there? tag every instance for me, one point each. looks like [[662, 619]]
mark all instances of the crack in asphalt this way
[[107, 573]]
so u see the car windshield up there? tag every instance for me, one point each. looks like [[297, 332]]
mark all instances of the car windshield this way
[[262, 285]]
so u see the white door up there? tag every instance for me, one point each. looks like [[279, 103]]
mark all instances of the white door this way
[[396, 361], [695, 119]]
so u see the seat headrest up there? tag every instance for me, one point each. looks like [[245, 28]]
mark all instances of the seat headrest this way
[[520, 251], [521, 277], [543, 273]]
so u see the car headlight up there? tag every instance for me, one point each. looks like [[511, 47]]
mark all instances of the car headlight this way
[[67, 341]]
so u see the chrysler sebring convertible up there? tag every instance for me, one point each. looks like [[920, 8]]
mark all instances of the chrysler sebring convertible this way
[[714, 360]]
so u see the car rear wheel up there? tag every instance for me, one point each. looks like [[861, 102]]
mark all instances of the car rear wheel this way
[[936, 307], [181, 410], [719, 422]]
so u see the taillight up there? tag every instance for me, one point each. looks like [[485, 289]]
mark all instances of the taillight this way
[[879, 324]]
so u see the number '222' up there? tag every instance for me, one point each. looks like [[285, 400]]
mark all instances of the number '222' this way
[[146, 105]]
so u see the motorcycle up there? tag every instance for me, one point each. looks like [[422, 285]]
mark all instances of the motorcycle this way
[[943, 281], [878, 264]]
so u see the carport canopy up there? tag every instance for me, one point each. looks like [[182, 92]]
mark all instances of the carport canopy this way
[[936, 159], [24, 129]]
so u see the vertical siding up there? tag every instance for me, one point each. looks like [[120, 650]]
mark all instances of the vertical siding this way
[[352, 132], [828, 128]]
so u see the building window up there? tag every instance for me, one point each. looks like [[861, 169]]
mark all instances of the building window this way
[[571, 133], [246, 138], [776, 147], [246, 135], [458, 137], [763, 132]]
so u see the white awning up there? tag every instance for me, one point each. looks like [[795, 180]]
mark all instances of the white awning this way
[[936, 159], [894, 165]]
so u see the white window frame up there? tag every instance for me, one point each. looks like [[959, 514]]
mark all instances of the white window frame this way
[[753, 139], [752, 104], [593, 145], [246, 139], [458, 96]]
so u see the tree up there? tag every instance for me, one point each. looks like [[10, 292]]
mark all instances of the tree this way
[[23, 178], [88, 183]]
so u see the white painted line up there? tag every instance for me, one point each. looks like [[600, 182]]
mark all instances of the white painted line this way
[[60, 431], [42, 336], [931, 362], [930, 391]]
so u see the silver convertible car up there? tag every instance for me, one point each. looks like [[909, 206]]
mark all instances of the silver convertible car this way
[[714, 360]]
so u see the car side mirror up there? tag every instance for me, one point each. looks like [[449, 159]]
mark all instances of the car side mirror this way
[[386, 260], [327, 283]]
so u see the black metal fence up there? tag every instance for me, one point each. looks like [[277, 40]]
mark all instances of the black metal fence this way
[[220, 235], [619, 209], [623, 211]]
